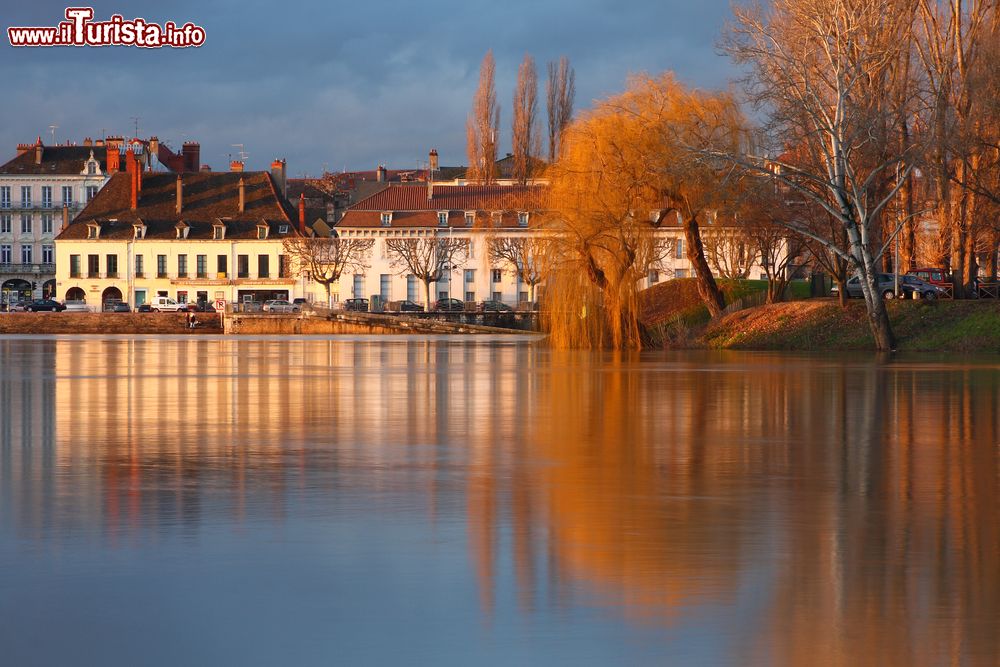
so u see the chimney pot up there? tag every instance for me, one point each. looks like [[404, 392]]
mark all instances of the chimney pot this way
[[235, 165], [380, 174]]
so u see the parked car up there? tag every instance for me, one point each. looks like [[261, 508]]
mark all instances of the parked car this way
[[144, 308], [76, 306], [39, 305], [886, 286], [18, 306], [117, 307], [280, 306], [923, 289], [449, 305], [932, 275], [165, 303], [358, 305], [404, 307], [495, 306]]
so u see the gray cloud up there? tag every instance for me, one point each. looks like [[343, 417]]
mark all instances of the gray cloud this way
[[340, 84]]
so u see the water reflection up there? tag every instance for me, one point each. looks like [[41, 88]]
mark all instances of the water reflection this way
[[805, 511]]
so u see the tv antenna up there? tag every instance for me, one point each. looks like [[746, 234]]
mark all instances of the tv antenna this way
[[135, 122], [52, 131], [243, 154]]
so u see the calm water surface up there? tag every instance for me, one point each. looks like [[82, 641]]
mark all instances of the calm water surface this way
[[200, 501]]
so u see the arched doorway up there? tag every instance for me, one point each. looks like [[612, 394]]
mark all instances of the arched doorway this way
[[15, 290], [109, 296], [76, 294], [49, 289]]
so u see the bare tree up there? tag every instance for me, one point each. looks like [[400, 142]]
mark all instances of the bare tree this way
[[483, 127], [523, 256], [730, 250], [326, 258], [429, 258], [821, 67], [560, 91], [525, 139]]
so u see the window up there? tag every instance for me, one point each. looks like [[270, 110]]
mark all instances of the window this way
[[6, 253], [46, 223], [443, 294], [67, 193], [470, 218], [442, 218], [91, 168], [496, 275], [359, 286], [470, 275], [111, 262], [261, 232], [498, 296], [470, 296], [218, 232], [5, 196], [385, 286], [283, 271], [263, 266], [92, 231], [497, 218], [411, 287], [243, 266], [522, 219], [74, 266], [26, 254], [222, 265], [654, 276], [182, 266], [48, 254], [26, 196], [386, 219], [93, 266], [46, 196], [25, 223], [161, 266], [201, 266], [5, 223], [283, 229], [522, 297], [679, 249], [182, 296], [91, 192], [680, 273], [139, 272]]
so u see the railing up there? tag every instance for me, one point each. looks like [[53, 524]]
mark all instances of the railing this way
[[27, 268], [949, 290], [989, 290]]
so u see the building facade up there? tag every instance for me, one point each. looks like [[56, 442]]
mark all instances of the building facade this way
[[193, 237]]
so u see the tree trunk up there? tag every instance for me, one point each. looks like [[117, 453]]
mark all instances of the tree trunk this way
[[427, 294], [878, 316], [329, 296], [709, 291], [991, 258], [959, 231], [841, 291]]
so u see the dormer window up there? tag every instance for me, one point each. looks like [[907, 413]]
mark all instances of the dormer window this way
[[654, 215], [91, 168], [283, 229], [470, 218], [442, 218], [497, 218], [218, 231], [93, 231], [386, 219], [181, 230], [522, 219], [138, 231], [261, 232]]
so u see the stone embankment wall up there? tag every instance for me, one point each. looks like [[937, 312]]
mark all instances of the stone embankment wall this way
[[349, 323], [106, 323]]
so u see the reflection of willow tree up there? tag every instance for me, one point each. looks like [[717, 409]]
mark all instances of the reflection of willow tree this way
[[624, 167]]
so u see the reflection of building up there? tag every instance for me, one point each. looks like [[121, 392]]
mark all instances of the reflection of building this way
[[193, 237], [44, 187]]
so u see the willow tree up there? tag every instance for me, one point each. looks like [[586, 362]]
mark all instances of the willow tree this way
[[625, 167], [823, 70]]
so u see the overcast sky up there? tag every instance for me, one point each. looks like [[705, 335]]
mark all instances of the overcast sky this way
[[331, 84]]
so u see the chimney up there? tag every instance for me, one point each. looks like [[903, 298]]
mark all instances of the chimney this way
[[65, 216], [179, 205], [380, 174], [191, 150], [132, 169], [114, 158], [38, 151], [235, 165], [99, 143], [243, 195], [154, 150], [432, 161], [278, 174], [88, 142], [302, 213]]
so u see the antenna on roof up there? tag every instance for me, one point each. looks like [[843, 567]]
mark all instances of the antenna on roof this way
[[52, 130], [243, 153], [135, 121]]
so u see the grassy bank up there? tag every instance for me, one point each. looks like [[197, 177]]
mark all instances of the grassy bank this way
[[822, 325]]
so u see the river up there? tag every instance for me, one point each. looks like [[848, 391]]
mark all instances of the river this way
[[318, 501]]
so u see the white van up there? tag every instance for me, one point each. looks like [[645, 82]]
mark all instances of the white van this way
[[165, 303]]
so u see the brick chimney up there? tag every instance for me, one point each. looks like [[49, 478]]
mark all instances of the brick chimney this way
[[88, 142], [380, 174], [235, 165], [114, 158], [191, 150], [39, 149], [432, 162], [280, 180], [154, 150], [243, 195], [302, 214], [179, 204], [132, 169]]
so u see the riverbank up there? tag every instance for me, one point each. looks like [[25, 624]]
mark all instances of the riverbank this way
[[106, 323], [820, 325]]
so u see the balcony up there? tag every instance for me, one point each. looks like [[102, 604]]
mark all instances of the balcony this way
[[36, 269]]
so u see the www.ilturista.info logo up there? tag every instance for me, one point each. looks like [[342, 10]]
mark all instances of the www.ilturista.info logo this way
[[80, 30]]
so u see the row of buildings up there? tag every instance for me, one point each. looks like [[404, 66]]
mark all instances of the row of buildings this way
[[130, 220]]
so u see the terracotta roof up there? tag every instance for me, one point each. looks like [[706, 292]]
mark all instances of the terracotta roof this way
[[65, 160], [454, 198], [208, 197]]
